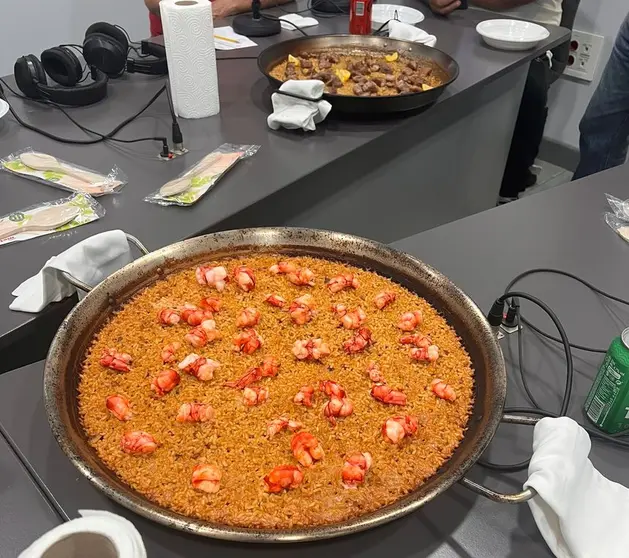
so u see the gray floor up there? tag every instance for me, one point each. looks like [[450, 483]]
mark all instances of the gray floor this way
[[549, 176]]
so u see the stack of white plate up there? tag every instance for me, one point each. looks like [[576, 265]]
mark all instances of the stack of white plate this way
[[381, 13]]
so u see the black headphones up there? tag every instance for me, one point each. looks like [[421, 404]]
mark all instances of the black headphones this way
[[106, 47], [64, 68]]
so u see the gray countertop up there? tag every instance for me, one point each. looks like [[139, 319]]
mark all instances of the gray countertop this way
[[562, 228], [24, 514], [285, 159]]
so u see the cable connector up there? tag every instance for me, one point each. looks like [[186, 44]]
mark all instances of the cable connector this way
[[495, 315], [178, 146], [509, 319]]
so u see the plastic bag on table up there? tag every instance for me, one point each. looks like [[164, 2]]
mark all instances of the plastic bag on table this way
[[618, 225], [189, 187], [619, 207], [52, 171], [17, 226]]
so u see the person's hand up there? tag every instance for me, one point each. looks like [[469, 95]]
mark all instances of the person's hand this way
[[222, 9], [444, 7]]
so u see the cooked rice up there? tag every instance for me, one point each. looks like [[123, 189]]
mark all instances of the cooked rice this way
[[236, 440]]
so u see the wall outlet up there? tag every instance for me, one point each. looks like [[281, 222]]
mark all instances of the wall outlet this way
[[585, 52]]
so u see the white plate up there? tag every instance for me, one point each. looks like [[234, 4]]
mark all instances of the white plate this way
[[4, 107], [381, 13], [511, 34]]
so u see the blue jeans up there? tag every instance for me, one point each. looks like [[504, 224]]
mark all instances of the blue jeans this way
[[605, 125]]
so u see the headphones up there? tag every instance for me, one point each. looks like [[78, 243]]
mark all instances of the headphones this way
[[105, 50], [64, 68], [106, 47]]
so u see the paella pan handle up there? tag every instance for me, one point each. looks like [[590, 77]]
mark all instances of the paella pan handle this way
[[87, 288], [518, 497]]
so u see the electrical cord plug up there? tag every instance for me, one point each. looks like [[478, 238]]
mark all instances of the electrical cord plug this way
[[510, 318]]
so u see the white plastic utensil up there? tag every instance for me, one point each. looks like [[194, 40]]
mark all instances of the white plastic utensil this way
[[180, 185], [45, 162], [45, 220]]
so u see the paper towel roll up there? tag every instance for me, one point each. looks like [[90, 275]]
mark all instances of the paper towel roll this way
[[189, 40]]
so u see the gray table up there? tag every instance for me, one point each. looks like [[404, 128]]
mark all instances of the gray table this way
[[381, 178], [561, 228], [24, 514]]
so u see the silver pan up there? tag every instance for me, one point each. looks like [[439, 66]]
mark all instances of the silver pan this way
[[68, 349]]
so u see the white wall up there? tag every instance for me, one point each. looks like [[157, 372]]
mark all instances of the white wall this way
[[34, 25], [569, 98]]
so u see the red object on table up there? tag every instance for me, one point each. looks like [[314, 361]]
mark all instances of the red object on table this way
[[360, 17]]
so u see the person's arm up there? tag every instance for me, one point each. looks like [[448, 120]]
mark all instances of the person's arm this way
[[225, 8], [444, 7], [153, 6]]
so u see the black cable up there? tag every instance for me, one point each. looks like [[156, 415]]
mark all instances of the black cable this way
[[100, 137], [525, 384], [589, 285], [273, 18]]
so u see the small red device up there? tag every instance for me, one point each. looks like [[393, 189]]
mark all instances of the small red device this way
[[360, 17]]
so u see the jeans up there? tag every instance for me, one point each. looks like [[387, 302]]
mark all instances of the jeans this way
[[529, 128], [605, 125]]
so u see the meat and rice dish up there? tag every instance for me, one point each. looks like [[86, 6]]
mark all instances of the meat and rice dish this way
[[275, 392], [362, 73]]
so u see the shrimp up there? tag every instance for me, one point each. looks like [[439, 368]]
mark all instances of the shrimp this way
[[200, 367], [416, 339], [206, 478], [353, 319], [203, 334], [306, 448], [410, 320], [168, 352], [383, 299], [212, 277], [302, 309], [283, 267], [310, 349], [249, 317], [383, 393], [195, 412], [355, 469], [138, 442], [275, 300], [251, 375], [338, 407], [165, 382], [396, 428], [168, 316], [119, 407], [339, 309], [255, 395], [211, 303], [374, 373], [283, 477], [247, 341], [443, 390], [331, 388], [270, 367], [304, 396], [302, 277], [359, 342], [115, 360], [425, 354], [195, 316], [283, 423], [340, 282], [245, 278]]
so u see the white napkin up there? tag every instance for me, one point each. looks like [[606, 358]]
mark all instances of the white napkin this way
[[299, 21], [292, 113], [579, 512], [79, 538], [91, 260], [408, 32]]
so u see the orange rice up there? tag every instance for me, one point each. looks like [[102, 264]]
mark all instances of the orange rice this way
[[236, 440]]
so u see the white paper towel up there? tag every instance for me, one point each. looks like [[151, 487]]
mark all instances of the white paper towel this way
[[189, 40]]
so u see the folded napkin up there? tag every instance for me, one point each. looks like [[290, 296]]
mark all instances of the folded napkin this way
[[292, 113], [579, 512], [408, 32], [97, 534], [91, 260], [299, 21]]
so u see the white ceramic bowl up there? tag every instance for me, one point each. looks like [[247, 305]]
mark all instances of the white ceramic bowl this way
[[381, 13], [511, 34]]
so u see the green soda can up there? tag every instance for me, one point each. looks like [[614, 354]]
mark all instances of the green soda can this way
[[607, 404]]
